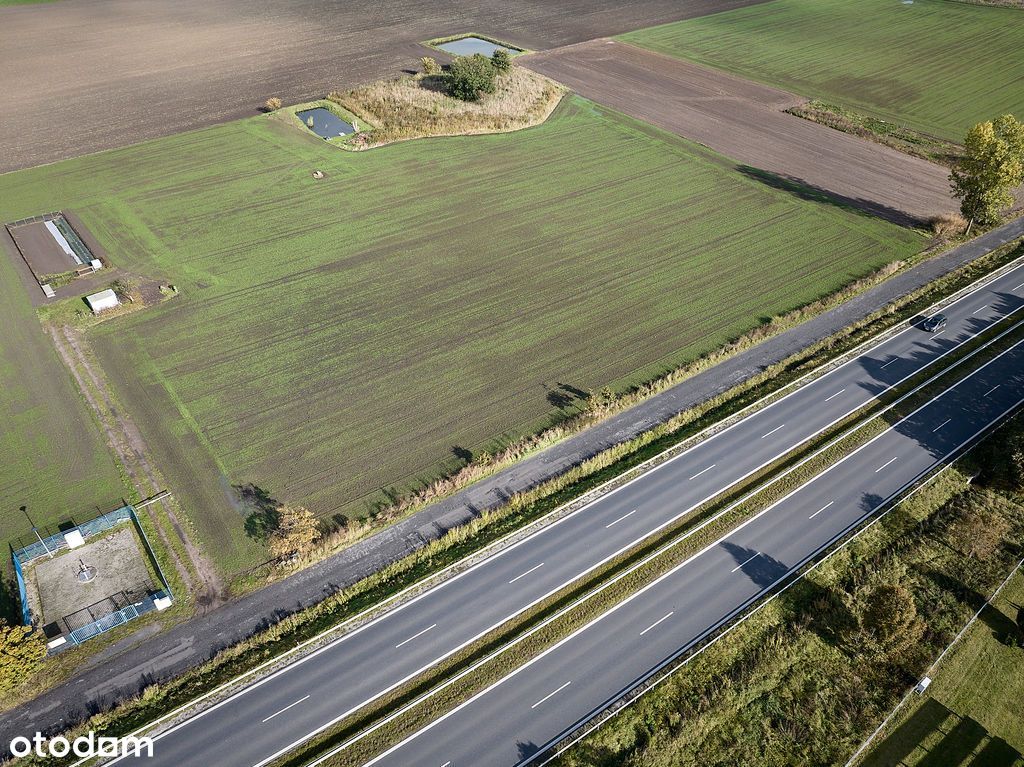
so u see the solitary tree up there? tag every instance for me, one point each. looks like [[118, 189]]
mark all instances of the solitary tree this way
[[501, 60], [21, 654], [469, 76], [992, 166], [890, 621], [273, 103], [297, 531]]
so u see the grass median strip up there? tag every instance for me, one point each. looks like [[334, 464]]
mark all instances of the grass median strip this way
[[530, 634]]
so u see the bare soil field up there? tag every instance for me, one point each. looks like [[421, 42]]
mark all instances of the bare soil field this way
[[745, 121], [94, 74], [40, 250]]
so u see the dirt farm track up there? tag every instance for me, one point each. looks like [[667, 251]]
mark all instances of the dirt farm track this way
[[85, 75]]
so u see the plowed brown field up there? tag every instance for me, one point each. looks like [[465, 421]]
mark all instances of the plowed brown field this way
[[745, 121], [94, 74]]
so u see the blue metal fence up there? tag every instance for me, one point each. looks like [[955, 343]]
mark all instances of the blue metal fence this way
[[26, 616], [144, 603]]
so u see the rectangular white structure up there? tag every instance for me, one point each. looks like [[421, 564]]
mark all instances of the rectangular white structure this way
[[74, 538], [105, 299]]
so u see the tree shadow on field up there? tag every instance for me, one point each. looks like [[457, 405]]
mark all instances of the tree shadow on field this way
[[800, 188], [824, 610], [1004, 629], [260, 510], [462, 454], [565, 395]]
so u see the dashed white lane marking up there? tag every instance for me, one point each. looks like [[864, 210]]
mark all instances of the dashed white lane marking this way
[[523, 575], [885, 464], [414, 636], [662, 618], [1019, 286], [551, 693], [446, 764], [979, 309], [290, 705], [702, 471], [743, 564], [835, 395], [772, 431], [620, 519], [894, 359], [821, 510], [941, 425], [991, 390]]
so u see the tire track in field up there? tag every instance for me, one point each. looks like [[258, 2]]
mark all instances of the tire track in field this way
[[126, 441]]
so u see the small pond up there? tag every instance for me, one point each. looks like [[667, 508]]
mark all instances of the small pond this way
[[467, 46], [326, 124]]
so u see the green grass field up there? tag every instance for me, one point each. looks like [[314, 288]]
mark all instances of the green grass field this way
[[971, 715], [936, 66], [53, 459], [339, 336]]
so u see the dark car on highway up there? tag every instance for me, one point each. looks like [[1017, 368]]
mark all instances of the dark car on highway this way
[[935, 323]]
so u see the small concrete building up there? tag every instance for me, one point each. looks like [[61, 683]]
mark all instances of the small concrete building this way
[[105, 299]]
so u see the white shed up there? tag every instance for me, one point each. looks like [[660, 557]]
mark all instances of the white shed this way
[[105, 299]]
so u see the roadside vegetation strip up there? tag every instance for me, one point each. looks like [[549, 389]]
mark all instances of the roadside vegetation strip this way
[[918, 723], [308, 629], [802, 680], [525, 636], [886, 59], [226, 394]]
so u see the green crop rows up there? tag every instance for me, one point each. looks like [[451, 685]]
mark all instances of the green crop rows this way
[[934, 65], [333, 337]]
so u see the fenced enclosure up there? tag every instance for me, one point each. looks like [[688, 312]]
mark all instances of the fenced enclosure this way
[[52, 586]]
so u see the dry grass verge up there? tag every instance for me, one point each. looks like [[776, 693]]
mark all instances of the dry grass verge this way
[[418, 107]]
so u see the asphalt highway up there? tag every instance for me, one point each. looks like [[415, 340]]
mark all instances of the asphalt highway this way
[[307, 696], [512, 721]]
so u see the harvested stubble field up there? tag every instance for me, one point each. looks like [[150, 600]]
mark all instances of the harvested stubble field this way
[[53, 459], [332, 337], [935, 66]]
